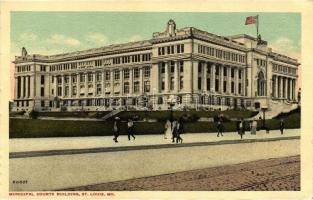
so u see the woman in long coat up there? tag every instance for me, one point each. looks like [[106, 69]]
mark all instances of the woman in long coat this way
[[168, 129]]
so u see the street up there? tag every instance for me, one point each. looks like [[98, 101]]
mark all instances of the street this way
[[64, 169]]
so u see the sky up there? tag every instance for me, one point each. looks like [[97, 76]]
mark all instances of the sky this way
[[61, 32]]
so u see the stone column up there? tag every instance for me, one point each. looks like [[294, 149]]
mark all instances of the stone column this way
[[236, 80], [94, 83], [112, 83], [78, 85], [122, 82], [213, 77], [221, 76], [86, 85], [276, 87], [131, 85], [26, 86], [70, 85], [290, 88], [243, 82], [63, 86], [195, 76], [286, 88], [16, 88], [141, 91], [166, 78], [229, 79], [176, 77], [204, 77], [281, 87], [22, 87]]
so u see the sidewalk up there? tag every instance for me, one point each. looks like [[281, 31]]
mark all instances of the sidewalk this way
[[67, 143]]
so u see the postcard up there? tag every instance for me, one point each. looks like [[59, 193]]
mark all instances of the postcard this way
[[156, 100]]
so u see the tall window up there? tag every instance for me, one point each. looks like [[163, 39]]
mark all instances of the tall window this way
[[162, 66], [74, 90], [126, 73], [181, 82], [74, 78], [66, 91], [42, 91], [107, 75], [126, 87], [116, 75], [98, 89], [181, 66], [172, 83], [172, 66], [90, 77], [66, 79], [136, 73], [147, 72], [42, 79], [136, 86], [163, 84], [98, 76], [147, 86], [59, 91], [82, 77]]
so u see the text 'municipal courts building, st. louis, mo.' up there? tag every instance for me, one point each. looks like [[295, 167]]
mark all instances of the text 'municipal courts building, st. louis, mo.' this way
[[187, 67]]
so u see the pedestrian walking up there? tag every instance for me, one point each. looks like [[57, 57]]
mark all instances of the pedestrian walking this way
[[130, 129], [180, 129], [241, 128], [219, 127], [254, 125], [282, 126], [116, 128], [174, 130], [168, 129]]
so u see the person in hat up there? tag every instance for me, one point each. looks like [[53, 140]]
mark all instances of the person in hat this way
[[219, 127], [116, 128]]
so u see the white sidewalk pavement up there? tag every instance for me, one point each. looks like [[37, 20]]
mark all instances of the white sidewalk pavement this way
[[63, 143]]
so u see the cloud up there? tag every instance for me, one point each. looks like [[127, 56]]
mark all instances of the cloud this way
[[62, 39], [28, 36], [286, 46], [96, 38]]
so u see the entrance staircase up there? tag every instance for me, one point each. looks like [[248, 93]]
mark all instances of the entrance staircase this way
[[111, 114], [277, 107]]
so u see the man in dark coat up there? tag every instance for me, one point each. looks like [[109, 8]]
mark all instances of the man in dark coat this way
[[219, 127], [282, 126], [116, 128], [180, 129]]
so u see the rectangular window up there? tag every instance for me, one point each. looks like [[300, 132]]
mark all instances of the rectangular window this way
[[239, 88], [182, 48], [239, 74], [199, 83], [172, 66], [74, 78], [42, 103], [126, 88], [66, 79], [59, 91], [126, 73], [52, 91], [116, 75], [172, 49], [74, 90], [181, 66], [66, 91], [136, 86], [172, 83], [232, 72], [90, 77], [216, 85], [42, 80], [82, 77], [147, 86], [225, 71], [181, 82], [98, 89], [136, 72], [147, 72], [42, 91], [107, 75], [162, 68], [98, 76], [224, 86], [163, 84]]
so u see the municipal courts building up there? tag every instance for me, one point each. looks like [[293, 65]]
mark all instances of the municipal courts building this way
[[185, 67]]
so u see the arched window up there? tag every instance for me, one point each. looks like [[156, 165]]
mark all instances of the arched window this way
[[261, 84]]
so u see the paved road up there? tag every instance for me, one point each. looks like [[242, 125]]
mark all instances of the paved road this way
[[66, 171], [278, 174]]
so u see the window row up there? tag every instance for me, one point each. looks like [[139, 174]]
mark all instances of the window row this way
[[171, 65], [171, 49], [25, 68], [226, 55], [284, 69], [132, 59]]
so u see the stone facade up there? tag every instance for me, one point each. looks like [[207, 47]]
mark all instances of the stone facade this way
[[188, 67]]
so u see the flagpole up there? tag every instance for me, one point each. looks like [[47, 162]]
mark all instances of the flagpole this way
[[257, 26]]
